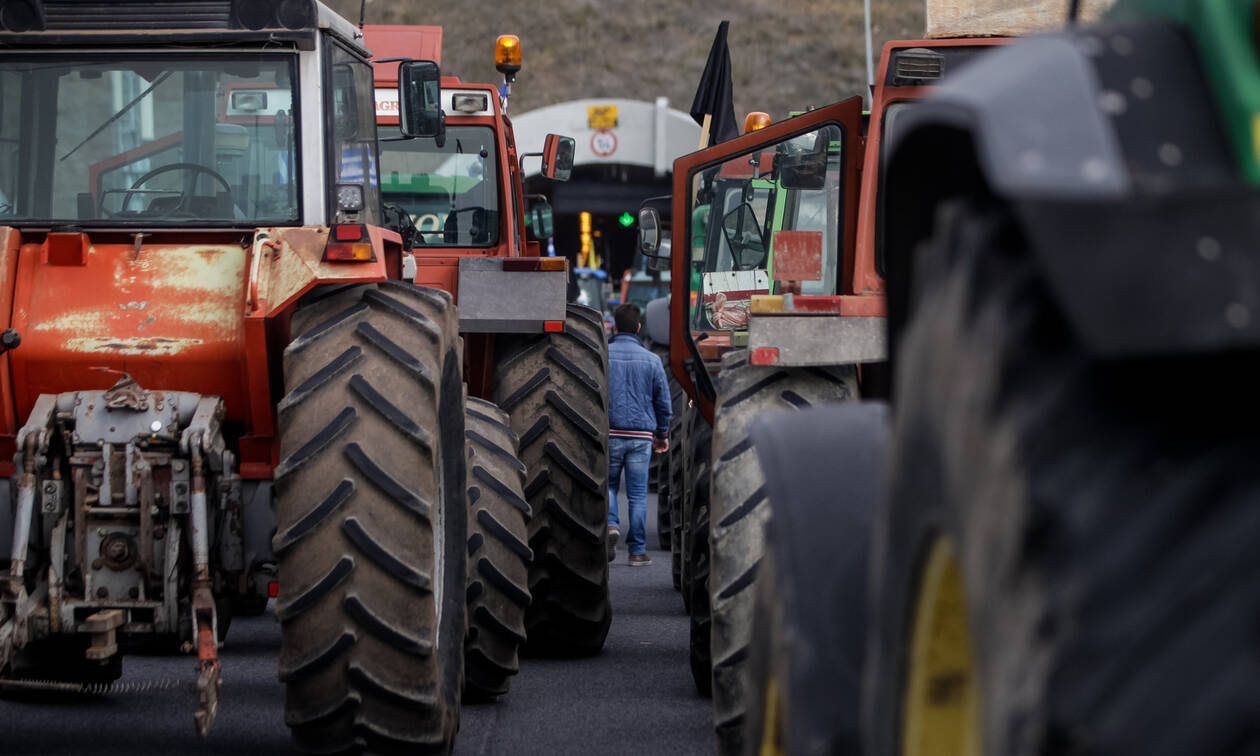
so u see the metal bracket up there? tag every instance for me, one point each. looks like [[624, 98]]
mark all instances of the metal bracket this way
[[102, 626]]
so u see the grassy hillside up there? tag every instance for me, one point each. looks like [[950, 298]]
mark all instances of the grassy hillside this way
[[785, 54]]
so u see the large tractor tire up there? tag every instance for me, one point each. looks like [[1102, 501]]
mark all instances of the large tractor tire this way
[[371, 521], [696, 564], [498, 552], [657, 472], [665, 473], [661, 476], [554, 386], [739, 508], [1067, 559], [677, 480], [804, 675]]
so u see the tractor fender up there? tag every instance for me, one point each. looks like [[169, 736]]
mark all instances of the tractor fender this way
[[1012, 101], [1107, 146], [824, 471]]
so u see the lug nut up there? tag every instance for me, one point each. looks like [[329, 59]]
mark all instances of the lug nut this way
[[134, 592], [97, 564], [102, 592]]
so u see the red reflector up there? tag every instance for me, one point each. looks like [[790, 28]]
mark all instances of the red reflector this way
[[347, 233], [553, 326], [361, 252], [273, 589], [764, 356], [521, 264]]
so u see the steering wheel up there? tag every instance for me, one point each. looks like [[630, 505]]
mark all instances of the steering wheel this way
[[186, 194]]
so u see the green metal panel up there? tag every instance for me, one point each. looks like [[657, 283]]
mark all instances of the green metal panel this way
[[1222, 33]]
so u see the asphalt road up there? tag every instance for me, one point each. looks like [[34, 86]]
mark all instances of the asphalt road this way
[[634, 698]]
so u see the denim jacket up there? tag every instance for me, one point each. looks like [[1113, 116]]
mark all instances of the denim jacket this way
[[638, 391]]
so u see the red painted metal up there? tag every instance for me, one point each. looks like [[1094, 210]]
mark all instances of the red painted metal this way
[[798, 255], [172, 319], [865, 278], [439, 267], [65, 248]]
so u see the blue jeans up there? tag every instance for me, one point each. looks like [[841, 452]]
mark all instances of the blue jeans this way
[[632, 455]]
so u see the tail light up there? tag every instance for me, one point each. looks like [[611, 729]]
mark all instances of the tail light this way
[[349, 243]]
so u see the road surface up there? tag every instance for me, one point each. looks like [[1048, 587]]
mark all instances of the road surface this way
[[634, 698]]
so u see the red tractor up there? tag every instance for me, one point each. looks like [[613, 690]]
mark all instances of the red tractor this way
[[777, 302], [215, 364], [460, 194]]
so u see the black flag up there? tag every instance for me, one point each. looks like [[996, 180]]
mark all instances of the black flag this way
[[713, 97]]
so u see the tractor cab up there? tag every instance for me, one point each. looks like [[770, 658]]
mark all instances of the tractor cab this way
[[456, 193], [111, 135]]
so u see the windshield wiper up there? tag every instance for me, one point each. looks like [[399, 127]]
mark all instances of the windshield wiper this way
[[166, 75]]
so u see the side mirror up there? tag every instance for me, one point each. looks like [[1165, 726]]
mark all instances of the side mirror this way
[[557, 158], [541, 220], [801, 165], [654, 248], [649, 231], [420, 99]]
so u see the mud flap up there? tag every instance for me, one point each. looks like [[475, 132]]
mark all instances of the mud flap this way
[[824, 469]]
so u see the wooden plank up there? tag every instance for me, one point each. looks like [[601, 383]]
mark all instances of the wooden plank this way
[[1003, 18]]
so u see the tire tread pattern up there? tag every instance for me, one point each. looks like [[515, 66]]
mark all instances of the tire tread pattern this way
[[498, 557], [554, 386]]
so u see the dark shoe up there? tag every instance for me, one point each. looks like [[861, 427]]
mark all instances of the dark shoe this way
[[613, 535], [640, 560]]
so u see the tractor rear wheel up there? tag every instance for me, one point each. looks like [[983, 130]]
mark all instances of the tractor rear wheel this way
[[498, 552], [677, 485], [371, 521], [664, 490], [739, 508], [1066, 562], [696, 566], [554, 386]]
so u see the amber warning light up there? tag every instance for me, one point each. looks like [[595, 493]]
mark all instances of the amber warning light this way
[[507, 54], [755, 121]]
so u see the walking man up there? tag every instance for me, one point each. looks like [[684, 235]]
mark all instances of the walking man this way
[[638, 424]]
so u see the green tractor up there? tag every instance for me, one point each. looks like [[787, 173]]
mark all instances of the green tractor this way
[[1056, 505]]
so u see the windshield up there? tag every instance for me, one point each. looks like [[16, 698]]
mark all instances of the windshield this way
[[451, 191], [147, 139], [766, 222], [642, 289], [593, 292]]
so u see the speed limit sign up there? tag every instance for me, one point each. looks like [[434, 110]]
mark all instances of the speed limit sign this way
[[603, 143]]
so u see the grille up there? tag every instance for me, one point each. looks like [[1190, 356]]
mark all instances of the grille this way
[[137, 14], [919, 66]]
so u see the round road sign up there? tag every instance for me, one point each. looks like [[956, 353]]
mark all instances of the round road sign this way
[[603, 143]]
